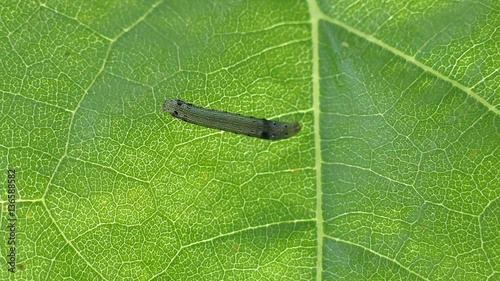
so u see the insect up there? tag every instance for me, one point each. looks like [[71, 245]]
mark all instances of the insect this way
[[230, 122]]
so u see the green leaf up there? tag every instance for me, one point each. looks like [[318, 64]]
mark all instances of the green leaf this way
[[394, 175]]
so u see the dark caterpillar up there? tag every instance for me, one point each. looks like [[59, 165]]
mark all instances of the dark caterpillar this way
[[231, 122]]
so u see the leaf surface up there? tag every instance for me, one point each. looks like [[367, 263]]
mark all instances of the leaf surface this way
[[394, 175]]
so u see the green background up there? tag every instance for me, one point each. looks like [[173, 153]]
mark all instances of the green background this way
[[395, 175]]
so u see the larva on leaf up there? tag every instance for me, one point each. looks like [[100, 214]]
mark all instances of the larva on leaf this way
[[231, 122]]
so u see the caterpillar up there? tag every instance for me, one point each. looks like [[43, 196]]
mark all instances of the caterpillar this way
[[230, 122]]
